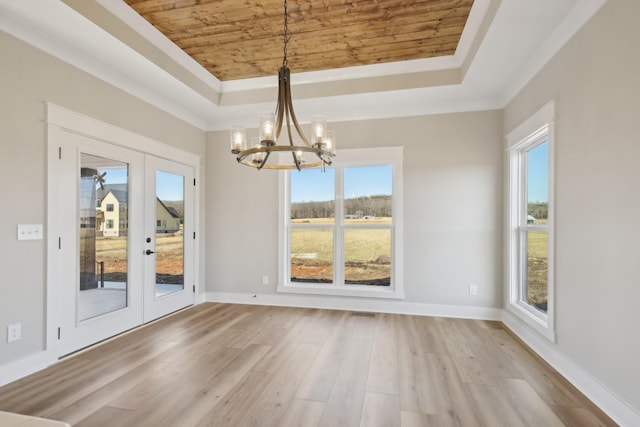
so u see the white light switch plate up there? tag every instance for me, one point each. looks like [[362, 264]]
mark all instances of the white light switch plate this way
[[29, 231]]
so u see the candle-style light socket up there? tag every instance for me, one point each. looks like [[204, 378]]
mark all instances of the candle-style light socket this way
[[330, 142], [238, 138], [267, 129], [318, 130]]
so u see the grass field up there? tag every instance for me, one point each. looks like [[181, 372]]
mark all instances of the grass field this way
[[367, 256], [367, 252], [537, 269], [169, 257]]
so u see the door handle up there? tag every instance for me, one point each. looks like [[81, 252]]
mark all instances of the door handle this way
[[149, 252]]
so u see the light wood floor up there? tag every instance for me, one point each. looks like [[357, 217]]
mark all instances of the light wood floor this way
[[236, 365]]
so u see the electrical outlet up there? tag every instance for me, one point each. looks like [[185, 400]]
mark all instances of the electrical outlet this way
[[473, 289], [14, 332], [265, 279]]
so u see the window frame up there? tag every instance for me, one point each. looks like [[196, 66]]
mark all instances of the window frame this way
[[534, 131], [382, 156]]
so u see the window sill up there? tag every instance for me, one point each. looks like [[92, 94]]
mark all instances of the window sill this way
[[342, 290], [538, 323]]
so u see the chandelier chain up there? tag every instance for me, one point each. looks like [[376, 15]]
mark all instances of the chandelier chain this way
[[286, 36]]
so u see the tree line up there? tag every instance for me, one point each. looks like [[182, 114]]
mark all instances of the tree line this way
[[357, 207], [538, 210]]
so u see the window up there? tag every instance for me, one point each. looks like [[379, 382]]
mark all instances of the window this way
[[341, 228], [109, 224], [109, 207], [530, 246]]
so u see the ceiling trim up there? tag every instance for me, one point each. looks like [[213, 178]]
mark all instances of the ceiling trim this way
[[569, 26], [474, 30], [60, 31], [420, 87], [129, 16]]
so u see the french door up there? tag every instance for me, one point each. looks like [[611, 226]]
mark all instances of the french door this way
[[168, 237], [125, 252]]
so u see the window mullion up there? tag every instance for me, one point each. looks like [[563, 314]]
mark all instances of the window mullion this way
[[338, 234]]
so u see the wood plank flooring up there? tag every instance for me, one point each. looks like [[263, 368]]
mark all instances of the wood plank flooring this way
[[240, 365]]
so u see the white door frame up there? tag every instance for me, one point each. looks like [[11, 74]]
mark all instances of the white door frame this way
[[60, 121]]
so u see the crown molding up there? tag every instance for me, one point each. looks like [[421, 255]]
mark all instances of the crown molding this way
[[466, 81], [569, 26]]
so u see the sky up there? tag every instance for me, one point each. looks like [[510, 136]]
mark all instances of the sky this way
[[538, 173], [170, 187], [315, 185]]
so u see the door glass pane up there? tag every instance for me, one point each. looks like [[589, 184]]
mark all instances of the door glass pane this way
[[367, 257], [169, 233], [104, 222], [313, 196], [312, 255], [367, 194], [536, 274]]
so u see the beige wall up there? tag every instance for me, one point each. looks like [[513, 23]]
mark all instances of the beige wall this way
[[29, 77], [595, 80], [453, 178], [452, 208]]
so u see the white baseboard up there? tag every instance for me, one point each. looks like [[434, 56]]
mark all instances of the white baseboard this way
[[620, 411], [200, 298], [28, 365], [358, 304]]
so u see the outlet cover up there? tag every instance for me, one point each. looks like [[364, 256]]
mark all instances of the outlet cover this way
[[265, 280], [473, 289], [14, 332]]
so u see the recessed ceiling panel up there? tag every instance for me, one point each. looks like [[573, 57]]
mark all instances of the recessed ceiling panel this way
[[238, 39]]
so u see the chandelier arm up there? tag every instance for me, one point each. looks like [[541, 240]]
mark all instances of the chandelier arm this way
[[281, 106], [288, 116], [264, 161], [296, 161], [289, 105]]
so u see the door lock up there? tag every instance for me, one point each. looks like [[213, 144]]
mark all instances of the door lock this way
[[149, 252]]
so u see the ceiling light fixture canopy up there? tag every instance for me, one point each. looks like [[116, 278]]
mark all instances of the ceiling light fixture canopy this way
[[300, 152]]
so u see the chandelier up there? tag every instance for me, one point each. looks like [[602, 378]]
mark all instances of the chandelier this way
[[297, 152]]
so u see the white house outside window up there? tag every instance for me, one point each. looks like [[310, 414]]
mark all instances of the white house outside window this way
[[530, 236], [341, 228]]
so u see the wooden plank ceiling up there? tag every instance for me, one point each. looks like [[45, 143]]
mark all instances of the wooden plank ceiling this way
[[237, 39]]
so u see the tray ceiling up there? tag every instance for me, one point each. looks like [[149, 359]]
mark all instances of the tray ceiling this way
[[503, 45], [243, 39]]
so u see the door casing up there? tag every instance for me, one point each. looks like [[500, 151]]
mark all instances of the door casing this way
[[62, 124]]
